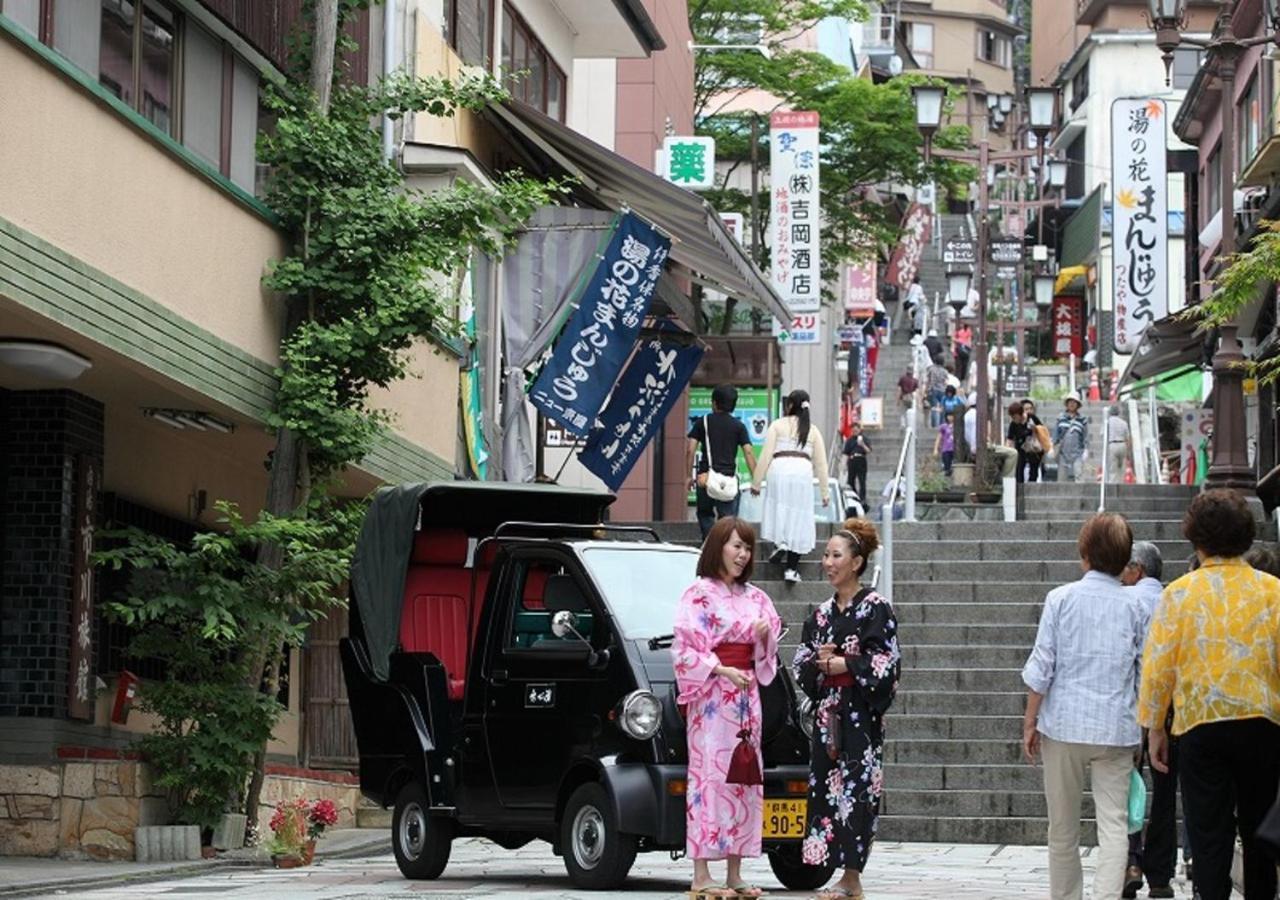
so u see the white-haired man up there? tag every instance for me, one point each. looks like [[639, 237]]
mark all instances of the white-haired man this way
[[1153, 856]]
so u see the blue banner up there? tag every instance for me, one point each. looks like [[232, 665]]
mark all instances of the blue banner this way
[[645, 394], [598, 338]]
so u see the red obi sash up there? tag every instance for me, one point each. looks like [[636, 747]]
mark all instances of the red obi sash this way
[[738, 656], [843, 680]]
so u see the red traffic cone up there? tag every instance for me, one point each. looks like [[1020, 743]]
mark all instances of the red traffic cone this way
[[1115, 385], [1129, 477], [1095, 392]]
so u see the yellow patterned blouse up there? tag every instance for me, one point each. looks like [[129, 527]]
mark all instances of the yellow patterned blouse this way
[[1213, 648]]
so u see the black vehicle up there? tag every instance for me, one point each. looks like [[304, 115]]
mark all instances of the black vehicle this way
[[510, 677]]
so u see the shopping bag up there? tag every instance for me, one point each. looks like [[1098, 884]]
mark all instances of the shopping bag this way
[[1137, 801]]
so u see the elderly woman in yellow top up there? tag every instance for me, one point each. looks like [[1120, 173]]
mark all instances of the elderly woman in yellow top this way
[[1213, 651]]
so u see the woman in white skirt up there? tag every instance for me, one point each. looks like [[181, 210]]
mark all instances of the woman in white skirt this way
[[793, 456]]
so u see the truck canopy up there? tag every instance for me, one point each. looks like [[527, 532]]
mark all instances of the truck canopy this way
[[386, 538]]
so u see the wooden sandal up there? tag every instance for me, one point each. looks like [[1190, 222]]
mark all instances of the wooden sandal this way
[[746, 891], [840, 893], [711, 892]]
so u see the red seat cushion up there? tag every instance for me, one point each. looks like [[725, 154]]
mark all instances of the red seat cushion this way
[[437, 590], [535, 586]]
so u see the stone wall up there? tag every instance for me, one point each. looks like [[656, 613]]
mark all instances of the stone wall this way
[[88, 804]]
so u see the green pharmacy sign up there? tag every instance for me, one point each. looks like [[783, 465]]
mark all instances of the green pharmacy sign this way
[[689, 162]]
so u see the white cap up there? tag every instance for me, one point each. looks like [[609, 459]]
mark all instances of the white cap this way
[[1071, 396], [933, 332], [973, 399]]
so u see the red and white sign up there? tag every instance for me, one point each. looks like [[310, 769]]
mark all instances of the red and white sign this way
[[905, 262], [803, 329], [1068, 327], [795, 215], [1140, 229], [860, 290]]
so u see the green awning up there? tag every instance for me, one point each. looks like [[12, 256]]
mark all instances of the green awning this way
[[1082, 233]]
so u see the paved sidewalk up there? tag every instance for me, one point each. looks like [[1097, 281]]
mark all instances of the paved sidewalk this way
[[27, 876], [480, 869]]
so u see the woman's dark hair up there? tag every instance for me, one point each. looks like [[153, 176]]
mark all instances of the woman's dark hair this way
[[711, 562], [1219, 523], [861, 537], [1106, 543], [798, 406], [1017, 409]]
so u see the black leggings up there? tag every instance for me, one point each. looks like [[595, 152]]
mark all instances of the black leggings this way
[[793, 561], [1031, 462]]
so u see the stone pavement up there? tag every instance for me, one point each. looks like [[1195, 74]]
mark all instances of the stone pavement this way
[[480, 869]]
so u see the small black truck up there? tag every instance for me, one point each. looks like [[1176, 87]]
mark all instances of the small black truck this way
[[510, 677]]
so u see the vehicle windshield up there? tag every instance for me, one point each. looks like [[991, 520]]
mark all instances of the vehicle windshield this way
[[642, 585]]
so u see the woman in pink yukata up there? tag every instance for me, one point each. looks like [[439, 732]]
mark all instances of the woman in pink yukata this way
[[726, 644], [847, 663]]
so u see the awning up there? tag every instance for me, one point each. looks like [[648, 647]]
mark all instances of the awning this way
[[1171, 345], [701, 247]]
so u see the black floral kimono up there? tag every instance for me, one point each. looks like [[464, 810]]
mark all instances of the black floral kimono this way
[[844, 793]]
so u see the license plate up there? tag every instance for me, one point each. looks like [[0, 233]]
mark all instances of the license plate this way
[[785, 819]]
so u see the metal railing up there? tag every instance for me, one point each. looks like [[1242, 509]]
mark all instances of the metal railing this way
[[906, 466]]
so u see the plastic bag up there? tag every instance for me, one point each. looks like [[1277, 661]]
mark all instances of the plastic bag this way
[[1137, 801]]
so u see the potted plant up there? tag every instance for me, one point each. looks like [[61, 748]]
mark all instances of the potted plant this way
[[320, 816], [290, 836]]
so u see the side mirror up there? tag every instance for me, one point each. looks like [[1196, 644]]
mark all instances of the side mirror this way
[[565, 623]]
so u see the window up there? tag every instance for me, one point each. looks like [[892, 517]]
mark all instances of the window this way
[[136, 62], [920, 42], [1212, 185], [532, 75], [468, 27], [1186, 62], [25, 12], [877, 31], [537, 581], [1248, 125], [993, 48], [1080, 86]]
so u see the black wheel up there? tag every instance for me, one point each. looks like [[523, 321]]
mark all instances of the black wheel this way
[[421, 841], [597, 856], [794, 873]]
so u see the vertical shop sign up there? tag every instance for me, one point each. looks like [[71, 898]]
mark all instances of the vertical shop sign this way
[[654, 379], [917, 226], [601, 333], [1068, 327], [80, 675], [796, 220], [1140, 218], [860, 290]]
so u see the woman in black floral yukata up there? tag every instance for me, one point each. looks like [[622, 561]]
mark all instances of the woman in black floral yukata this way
[[848, 664]]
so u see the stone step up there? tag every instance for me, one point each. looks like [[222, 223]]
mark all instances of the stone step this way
[[911, 702], [373, 817], [1011, 776], [932, 656], [1076, 489], [1135, 507], [952, 679], [970, 830], [966, 614], [999, 550], [963, 635], [1144, 529], [949, 752], [941, 726], [979, 804]]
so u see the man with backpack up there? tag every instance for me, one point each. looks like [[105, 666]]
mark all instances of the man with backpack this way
[[719, 435]]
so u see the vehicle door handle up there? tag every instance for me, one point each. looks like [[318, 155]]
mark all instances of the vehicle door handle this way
[[498, 676]]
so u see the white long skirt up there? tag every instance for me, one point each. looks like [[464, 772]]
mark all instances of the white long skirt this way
[[788, 519]]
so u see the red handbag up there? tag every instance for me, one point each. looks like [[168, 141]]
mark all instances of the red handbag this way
[[744, 765]]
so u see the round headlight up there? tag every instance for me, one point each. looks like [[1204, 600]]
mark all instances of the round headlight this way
[[641, 715], [806, 715]]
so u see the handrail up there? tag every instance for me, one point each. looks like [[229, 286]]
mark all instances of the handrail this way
[[907, 435], [907, 461]]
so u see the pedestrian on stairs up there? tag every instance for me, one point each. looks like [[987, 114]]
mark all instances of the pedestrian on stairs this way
[[935, 388], [913, 303], [793, 456], [847, 664], [715, 439], [1082, 688], [1071, 438], [1021, 436], [856, 450], [962, 343], [1212, 656], [1118, 445], [933, 344], [907, 387], [944, 445]]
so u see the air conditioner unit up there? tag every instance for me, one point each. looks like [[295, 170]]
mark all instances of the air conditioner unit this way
[[741, 29]]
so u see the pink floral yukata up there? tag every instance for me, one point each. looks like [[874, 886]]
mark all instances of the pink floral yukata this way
[[721, 819]]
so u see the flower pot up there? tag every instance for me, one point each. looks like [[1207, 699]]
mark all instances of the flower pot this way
[[229, 835], [962, 474], [287, 861], [309, 852]]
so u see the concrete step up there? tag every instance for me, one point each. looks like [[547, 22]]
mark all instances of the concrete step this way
[[1144, 529], [1012, 776], [909, 592], [965, 614], [970, 830], [949, 752], [1121, 491], [979, 804], [1137, 507], [932, 656], [987, 635], [960, 680], [962, 727], [912, 702], [373, 817], [905, 551]]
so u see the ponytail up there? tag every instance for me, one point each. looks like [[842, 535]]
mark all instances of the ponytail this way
[[798, 406]]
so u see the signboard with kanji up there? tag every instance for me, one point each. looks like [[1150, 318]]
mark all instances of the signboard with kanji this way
[[80, 692], [805, 328], [1017, 384], [733, 223], [917, 225], [795, 216], [1140, 218], [860, 289], [959, 251], [1006, 251], [1068, 327], [689, 161]]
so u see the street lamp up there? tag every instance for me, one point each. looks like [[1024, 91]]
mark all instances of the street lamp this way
[[1229, 465], [928, 100], [1057, 174], [958, 281], [1044, 283], [1006, 104]]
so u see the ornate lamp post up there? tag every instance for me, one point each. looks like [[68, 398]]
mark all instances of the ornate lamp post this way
[[928, 101], [1229, 464]]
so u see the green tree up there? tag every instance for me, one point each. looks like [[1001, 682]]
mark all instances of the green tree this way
[[868, 130], [1246, 275]]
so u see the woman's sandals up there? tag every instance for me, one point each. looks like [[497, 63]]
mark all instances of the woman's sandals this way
[[840, 893], [721, 892]]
